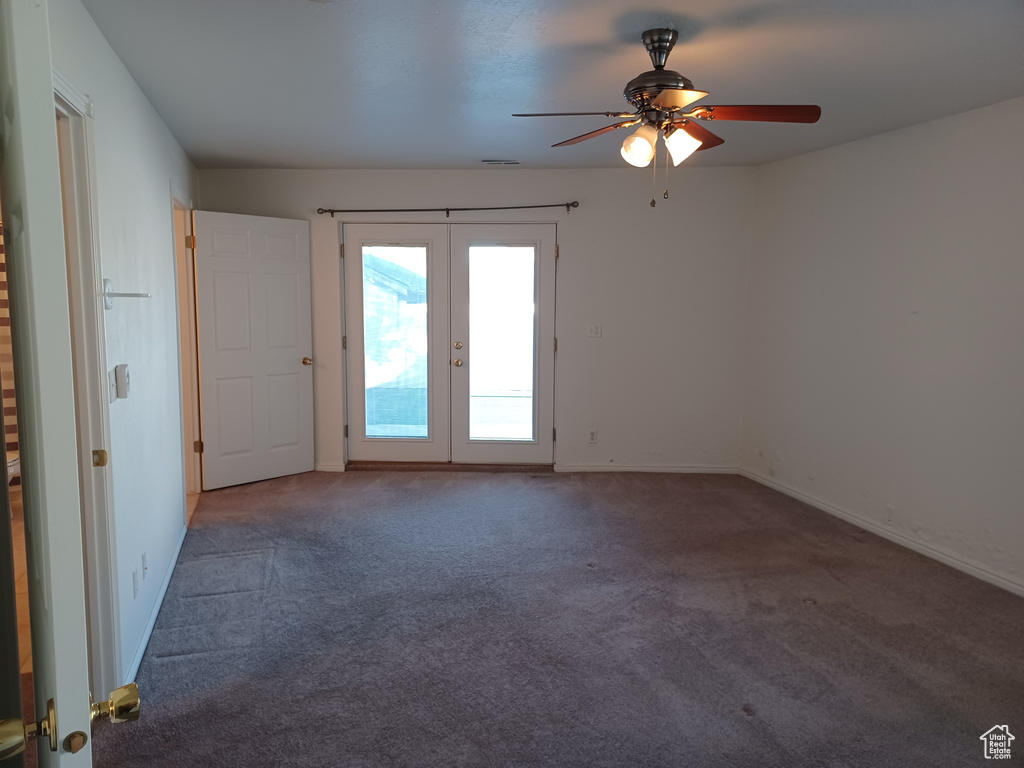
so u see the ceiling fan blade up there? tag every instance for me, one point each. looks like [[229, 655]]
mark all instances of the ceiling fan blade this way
[[677, 98], [598, 132], [769, 113], [563, 114], [697, 131]]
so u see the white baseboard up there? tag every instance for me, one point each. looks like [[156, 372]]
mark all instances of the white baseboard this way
[[133, 668], [329, 468], [967, 566], [715, 470]]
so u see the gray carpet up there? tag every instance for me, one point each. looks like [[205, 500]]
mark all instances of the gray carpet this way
[[435, 619]]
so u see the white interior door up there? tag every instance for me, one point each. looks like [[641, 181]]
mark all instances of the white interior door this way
[[255, 347], [502, 315], [34, 239], [450, 333]]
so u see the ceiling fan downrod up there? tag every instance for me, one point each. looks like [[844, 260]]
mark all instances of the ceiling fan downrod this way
[[645, 88]]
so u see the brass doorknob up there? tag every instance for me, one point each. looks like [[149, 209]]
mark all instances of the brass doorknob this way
[[15, 734], [122, 706], [307, 361], [457, 345], [457, 363]]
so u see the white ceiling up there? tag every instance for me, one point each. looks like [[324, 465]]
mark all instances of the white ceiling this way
[[413, 84]]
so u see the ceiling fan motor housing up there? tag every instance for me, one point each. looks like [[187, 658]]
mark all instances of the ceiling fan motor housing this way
[[643, 89]]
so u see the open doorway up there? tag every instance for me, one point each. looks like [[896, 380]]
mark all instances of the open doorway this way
[[16, 513], [92, 414], [187, 333]]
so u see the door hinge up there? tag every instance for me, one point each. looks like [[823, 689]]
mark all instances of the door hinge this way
[[197, 446], [190, 242], [556, 343], [346, 430], [100, 458], [554, 434], [344, 342], [342, 248], [556, 251]]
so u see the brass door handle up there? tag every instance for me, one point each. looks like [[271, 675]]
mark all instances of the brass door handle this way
[[15, 734], [457, 363], [122, 706], [307, 361]]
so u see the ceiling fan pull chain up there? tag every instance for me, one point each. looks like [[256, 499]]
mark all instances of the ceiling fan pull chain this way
[[654, 177], [666, 176]]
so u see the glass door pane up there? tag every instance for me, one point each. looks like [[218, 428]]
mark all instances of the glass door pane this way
[[502, 331], [396, 325], [502, 339], [395, 343]]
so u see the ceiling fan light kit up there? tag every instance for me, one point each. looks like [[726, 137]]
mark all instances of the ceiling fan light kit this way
[[661, 98], [680, 144], [638, 149]]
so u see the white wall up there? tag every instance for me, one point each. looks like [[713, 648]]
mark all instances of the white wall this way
[[663, 383], [138, 164], [885, 377]]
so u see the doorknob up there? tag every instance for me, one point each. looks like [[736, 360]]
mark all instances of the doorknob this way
[[457, 363], [457, 345], [307, 361], [122, 706], [15, 734]]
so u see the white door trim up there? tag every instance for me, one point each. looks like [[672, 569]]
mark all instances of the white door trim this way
[[91, 398]]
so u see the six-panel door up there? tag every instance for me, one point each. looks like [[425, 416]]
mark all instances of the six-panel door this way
[[256, 391]]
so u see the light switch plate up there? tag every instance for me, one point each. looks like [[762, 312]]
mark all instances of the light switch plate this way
[[121, 380], [112, 385]]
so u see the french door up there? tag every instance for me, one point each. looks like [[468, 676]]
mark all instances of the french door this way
[[450, 332]]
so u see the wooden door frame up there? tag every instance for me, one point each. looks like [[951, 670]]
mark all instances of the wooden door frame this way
[[88, 337], [188, 343]]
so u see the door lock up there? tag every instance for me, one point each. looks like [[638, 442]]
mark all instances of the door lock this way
[[457, 363], [457, 345]]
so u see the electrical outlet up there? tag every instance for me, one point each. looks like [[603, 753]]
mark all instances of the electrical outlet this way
[[592, 436], [594, 330], [135, 583], [145, 568]]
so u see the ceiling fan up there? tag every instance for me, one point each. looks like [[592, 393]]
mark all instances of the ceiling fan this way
[[662, 100]]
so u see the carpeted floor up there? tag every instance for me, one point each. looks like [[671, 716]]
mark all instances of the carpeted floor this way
[[445, 619]]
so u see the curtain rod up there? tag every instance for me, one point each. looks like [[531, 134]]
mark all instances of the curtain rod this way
[[447, 211]]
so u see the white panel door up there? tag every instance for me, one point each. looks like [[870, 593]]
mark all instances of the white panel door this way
[[503, 319], [255, 347], [396, 278], [30, 194]]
